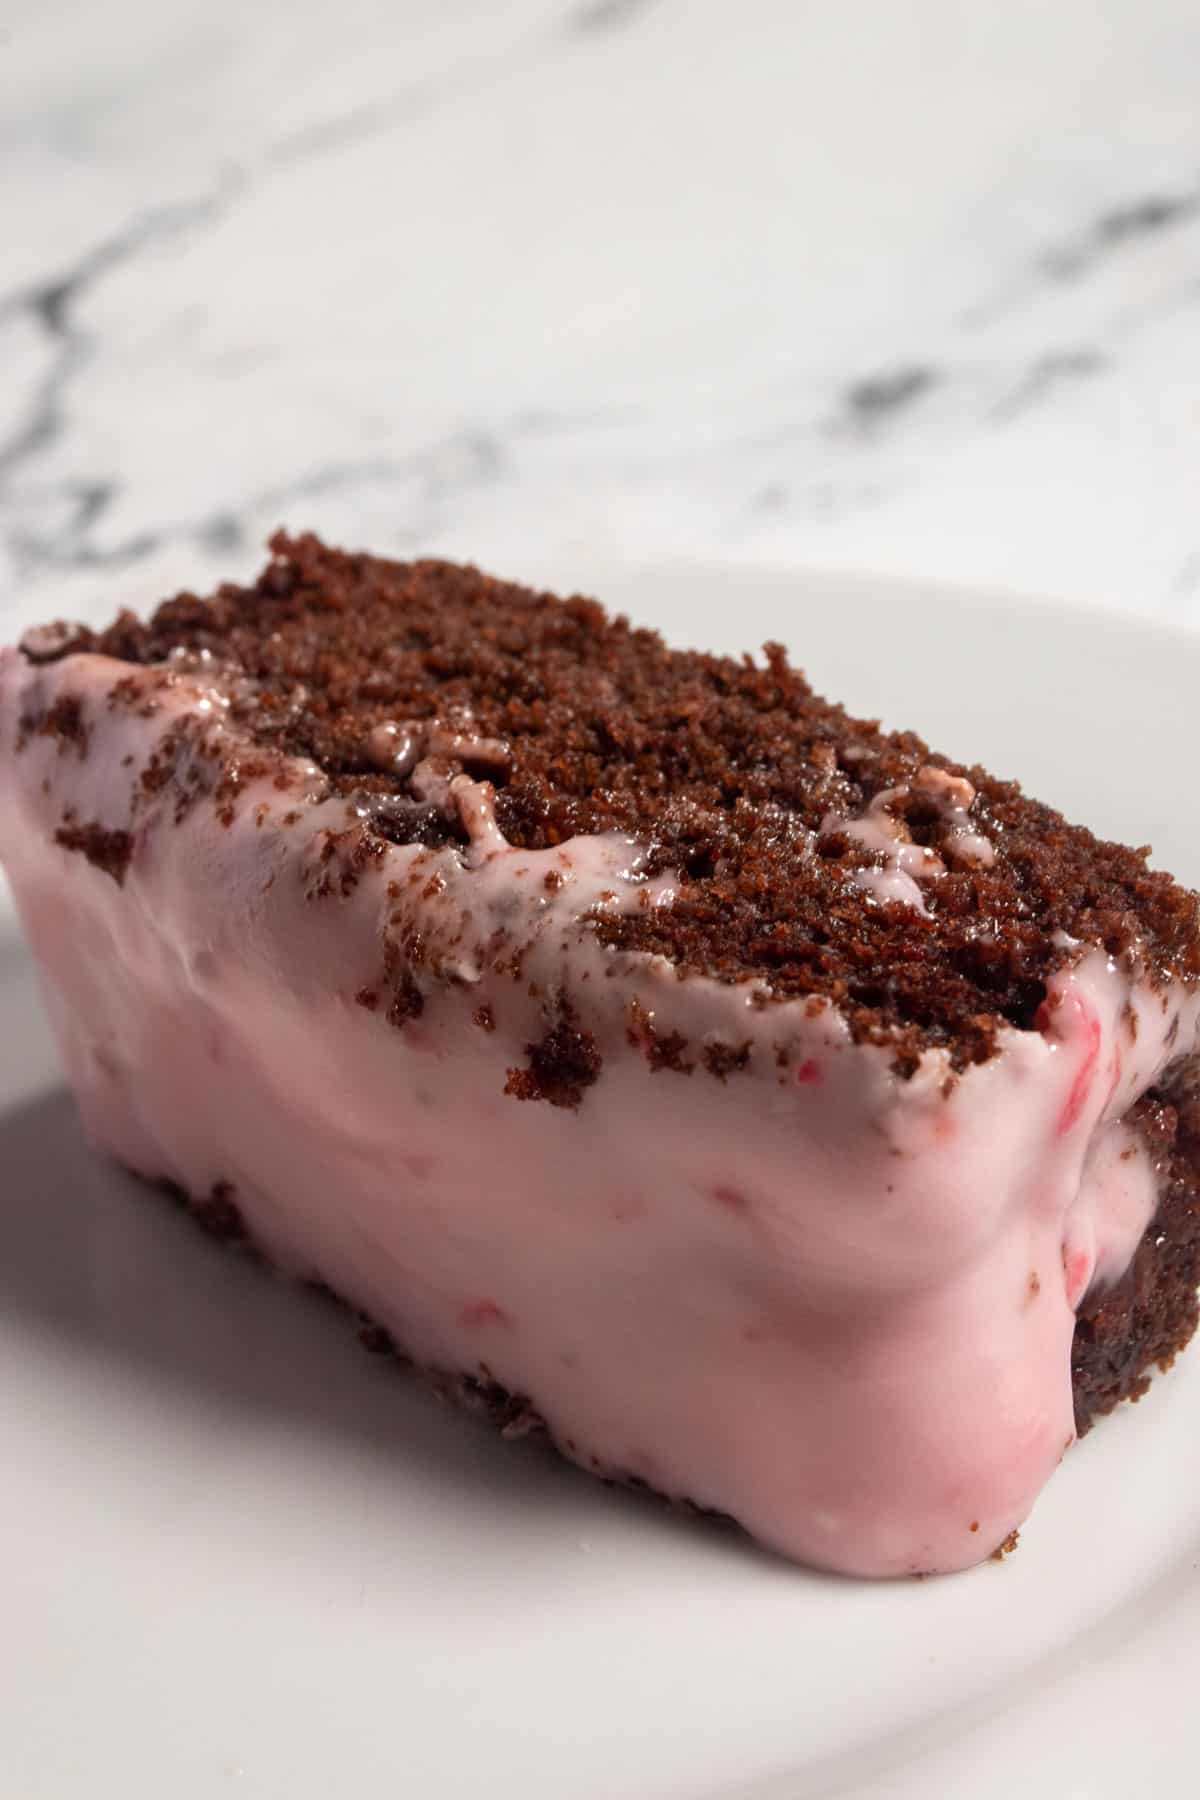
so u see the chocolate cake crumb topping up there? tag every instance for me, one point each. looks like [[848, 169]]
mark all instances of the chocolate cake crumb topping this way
[[407, 1001], [216, 1212], [110, 851], [826, 857], [561, 1066], [47, 643], [723, 1060], [668, 1051], [662, 1050], [63, 721]]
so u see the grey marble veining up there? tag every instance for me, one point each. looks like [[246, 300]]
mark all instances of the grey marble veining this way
[[907, 289]]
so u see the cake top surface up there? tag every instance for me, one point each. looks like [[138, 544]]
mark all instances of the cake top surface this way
[[930, 901]]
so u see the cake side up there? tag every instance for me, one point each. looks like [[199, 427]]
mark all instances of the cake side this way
[[1127, 1329], [720, 1239]]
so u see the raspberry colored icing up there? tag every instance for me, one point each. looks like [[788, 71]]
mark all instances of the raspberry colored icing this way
[[832, 1302], [903, 865]]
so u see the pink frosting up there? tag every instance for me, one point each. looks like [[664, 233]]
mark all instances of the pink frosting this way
[[832, 1302]]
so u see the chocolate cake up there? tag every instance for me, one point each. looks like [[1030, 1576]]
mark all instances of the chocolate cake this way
[[783, 1116]]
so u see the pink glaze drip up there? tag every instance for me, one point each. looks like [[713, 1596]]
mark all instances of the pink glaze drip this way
[[864, 1357], [883, 831]]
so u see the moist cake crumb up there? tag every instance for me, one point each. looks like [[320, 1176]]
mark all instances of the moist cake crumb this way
[[561, 1066], [111, 851], [817, 852]]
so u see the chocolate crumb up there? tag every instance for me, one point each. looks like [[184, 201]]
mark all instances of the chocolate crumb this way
[[48, 643], [723, 1060], [218, 1213], [407, 1001], [561, 1066], [669, 1052], [109, 851], [662, 1050], [64, 722]]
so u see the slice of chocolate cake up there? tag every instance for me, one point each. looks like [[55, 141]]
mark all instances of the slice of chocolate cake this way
[[784, 1117]]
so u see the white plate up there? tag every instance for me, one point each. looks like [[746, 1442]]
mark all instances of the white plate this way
[[239, 1556]]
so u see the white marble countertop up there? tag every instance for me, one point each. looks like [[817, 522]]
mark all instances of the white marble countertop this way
[[846, 283]]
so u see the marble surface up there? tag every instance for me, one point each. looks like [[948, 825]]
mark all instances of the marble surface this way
[[843, 283]]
